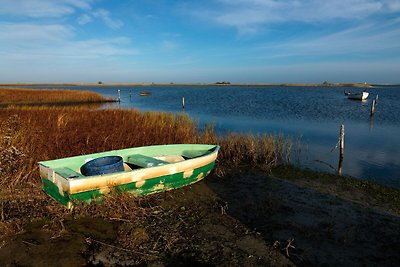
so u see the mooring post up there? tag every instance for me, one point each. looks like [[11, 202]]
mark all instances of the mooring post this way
[[119, 95], [183, 103], [371, 123], [341, 140], [376, 99], [341, 146], [373, 108], [130, 95]]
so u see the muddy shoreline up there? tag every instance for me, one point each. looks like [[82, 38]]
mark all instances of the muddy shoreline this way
[[326, 230], [245, 218]]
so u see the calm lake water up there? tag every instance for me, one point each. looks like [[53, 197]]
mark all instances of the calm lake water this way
[[313, 114]]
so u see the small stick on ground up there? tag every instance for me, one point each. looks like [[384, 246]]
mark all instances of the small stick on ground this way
[[120, 219], [90, 240], [289, 245], [63, 230], [28, 243], [2, 211]]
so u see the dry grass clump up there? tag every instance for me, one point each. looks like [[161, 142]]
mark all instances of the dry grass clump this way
[[11, 156], [34, 96], [256, 150], [46, 133]]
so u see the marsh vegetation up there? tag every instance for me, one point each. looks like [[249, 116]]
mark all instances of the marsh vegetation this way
[[29, 96]]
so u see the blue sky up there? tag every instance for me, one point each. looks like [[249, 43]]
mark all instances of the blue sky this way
[[241, 41]]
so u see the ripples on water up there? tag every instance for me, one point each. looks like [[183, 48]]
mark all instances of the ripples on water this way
[[372, 146]]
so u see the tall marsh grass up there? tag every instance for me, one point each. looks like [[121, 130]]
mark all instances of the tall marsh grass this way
[[43, 133], [28, 96]]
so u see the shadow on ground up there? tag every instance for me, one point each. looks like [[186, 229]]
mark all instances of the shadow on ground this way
[[311, 228]]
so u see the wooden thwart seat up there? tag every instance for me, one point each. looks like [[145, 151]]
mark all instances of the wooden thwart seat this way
[[67, 173], [194, 153], [145, 161]]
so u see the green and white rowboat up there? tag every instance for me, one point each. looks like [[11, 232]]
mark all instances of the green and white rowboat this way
[[147, 170]]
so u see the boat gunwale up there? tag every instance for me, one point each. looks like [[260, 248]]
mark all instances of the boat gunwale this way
[[123, 151]]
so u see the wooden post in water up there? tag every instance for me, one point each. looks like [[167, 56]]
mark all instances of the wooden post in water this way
[[371, 123], [119, 95], [341, 141], [130, 95], [373, 108], [376, 99], [341, 146], [183, 103]]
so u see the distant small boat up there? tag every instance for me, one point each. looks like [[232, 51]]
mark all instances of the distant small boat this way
[[144, 93], [140, 170], [357, 96]]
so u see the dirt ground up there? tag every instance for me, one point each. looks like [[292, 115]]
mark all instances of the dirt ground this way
[[245, 218], [325, 230], [186, 227]]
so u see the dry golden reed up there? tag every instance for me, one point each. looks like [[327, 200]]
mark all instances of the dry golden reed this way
[[34, 96], [45, 133]]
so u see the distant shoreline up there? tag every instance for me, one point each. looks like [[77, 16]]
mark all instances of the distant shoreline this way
[[197, 84]]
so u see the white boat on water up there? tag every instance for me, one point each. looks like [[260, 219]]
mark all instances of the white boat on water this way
[[357, 96]]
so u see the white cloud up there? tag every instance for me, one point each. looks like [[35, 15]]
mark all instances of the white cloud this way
[[249, 15], [42, 8], [169, 45], [49, 9], [98, 48], [31, 34], [104, 15], [366, 40], [25, 42], [78, 50], [84, 19], [82, 4], [393, 5]]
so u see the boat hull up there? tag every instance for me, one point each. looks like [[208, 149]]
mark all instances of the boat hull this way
[[358, 96], [166, 170]]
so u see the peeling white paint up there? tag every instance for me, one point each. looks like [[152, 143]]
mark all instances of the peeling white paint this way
[[140, 184], [200, 176], [60, 190], [187, 174], [172, 170], [160, 186], [105, 190]]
